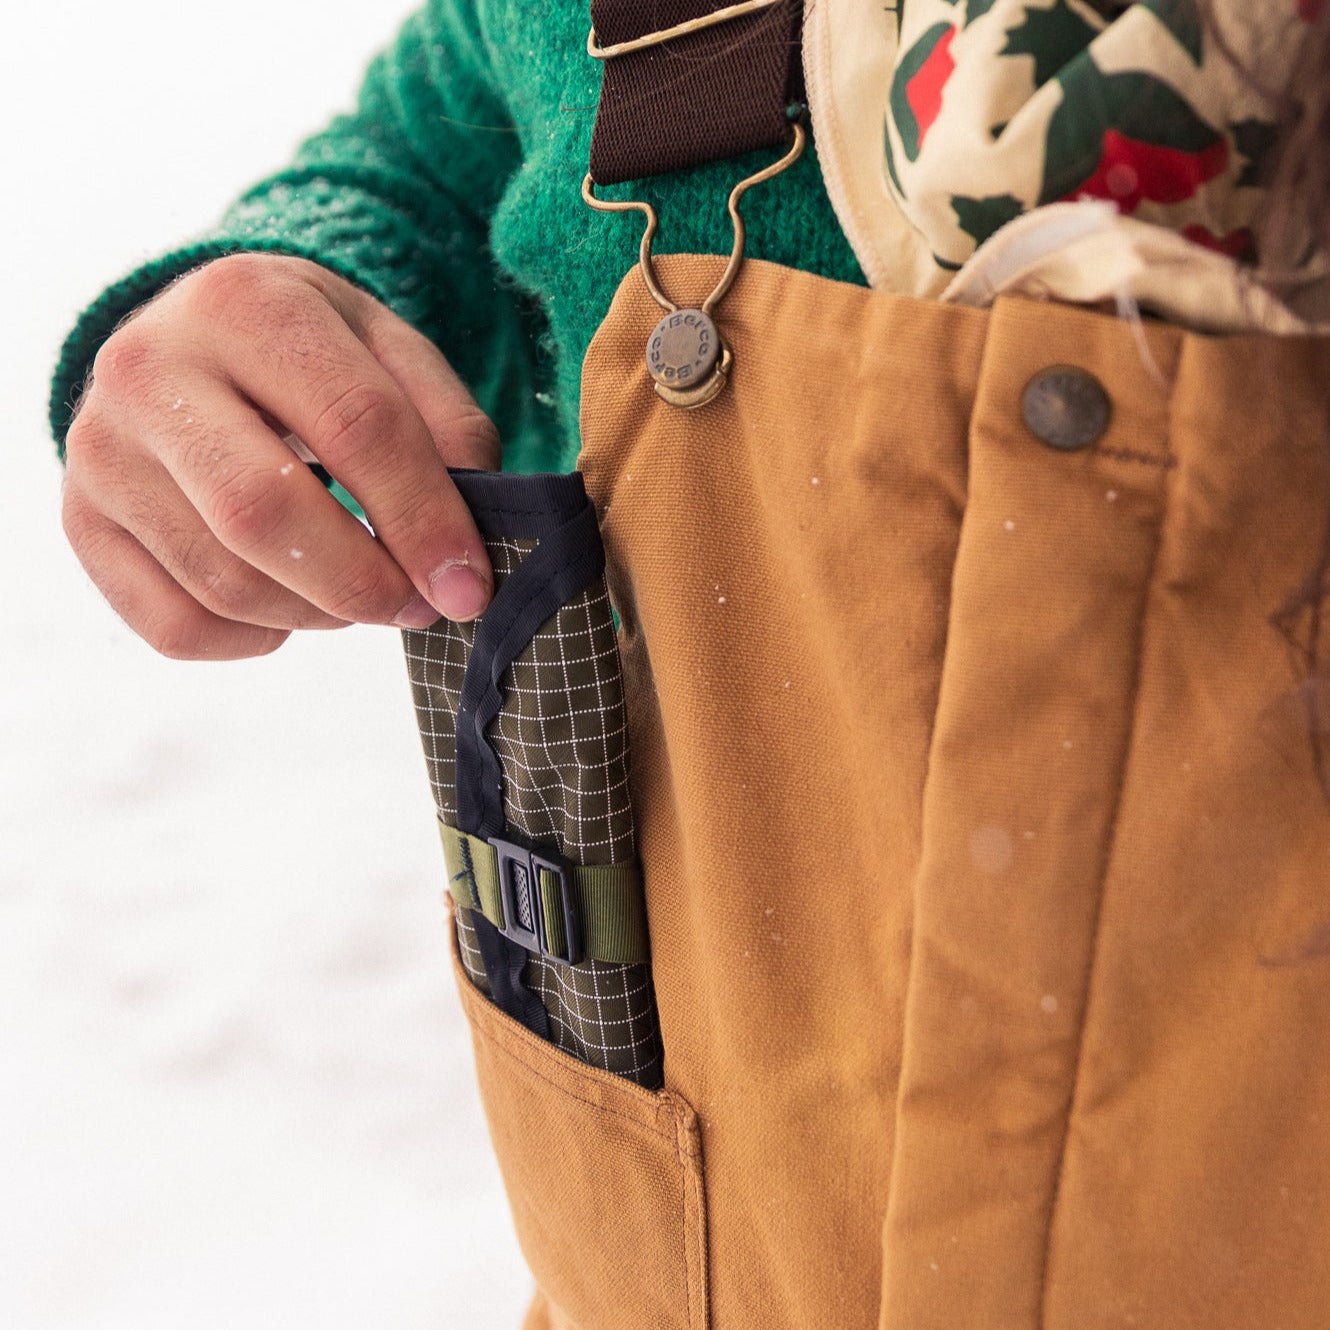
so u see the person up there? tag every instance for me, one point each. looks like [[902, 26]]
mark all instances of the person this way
[[983, 821]]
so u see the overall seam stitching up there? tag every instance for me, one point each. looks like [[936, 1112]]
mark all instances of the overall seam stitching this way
[[1129, 749], [683, 1214], [1132, 455]]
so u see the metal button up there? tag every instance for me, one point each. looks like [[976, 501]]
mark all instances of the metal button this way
[[1066, 407], [682, 349]]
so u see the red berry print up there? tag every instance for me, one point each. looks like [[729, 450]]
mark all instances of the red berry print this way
[[924, 91], [1130, 172]]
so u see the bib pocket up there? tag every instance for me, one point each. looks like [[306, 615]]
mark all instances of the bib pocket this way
[[604, 1179]]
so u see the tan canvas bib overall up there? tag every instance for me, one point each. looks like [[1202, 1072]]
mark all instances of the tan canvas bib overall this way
[[987, 869]]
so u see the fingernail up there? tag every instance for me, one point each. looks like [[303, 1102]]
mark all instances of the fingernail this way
[[418, 613], [458, 590]]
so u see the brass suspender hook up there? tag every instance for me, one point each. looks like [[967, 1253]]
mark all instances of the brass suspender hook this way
[[598, 52], [685, 355]]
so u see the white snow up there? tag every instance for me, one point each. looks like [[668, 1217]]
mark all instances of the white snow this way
[[235, 1085]]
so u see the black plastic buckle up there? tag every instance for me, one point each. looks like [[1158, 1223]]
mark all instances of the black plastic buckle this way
[[523, 903]]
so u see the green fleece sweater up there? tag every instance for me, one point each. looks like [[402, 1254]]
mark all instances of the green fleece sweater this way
[[451, 193]]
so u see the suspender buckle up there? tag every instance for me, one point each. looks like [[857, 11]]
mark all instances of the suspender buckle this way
[[535, 918], [685, 354]]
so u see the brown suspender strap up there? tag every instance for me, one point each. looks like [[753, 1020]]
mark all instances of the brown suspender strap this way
[[700, 96]]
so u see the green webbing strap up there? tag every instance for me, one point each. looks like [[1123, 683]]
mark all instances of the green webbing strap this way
[[608, 897]]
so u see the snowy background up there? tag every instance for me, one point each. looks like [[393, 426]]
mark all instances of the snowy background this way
[[235, 1087]]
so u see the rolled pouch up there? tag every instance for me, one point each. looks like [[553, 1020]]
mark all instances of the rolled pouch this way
[[548, 734]]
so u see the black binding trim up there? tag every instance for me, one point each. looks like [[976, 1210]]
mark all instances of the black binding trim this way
[[504, 962], [554, 510], [567, 561], [522, 507]]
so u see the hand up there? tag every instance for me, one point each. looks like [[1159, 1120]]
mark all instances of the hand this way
[[198, 523]]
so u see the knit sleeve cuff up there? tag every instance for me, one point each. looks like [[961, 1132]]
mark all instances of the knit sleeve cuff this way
[[371, 258], [418, 253]]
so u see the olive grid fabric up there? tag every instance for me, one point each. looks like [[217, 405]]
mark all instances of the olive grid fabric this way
[[562, 743]]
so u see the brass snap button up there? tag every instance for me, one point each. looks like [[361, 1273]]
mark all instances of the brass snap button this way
[[683, 349], [1065, 407]]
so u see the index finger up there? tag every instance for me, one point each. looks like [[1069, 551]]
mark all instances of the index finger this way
[[294, 356]]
